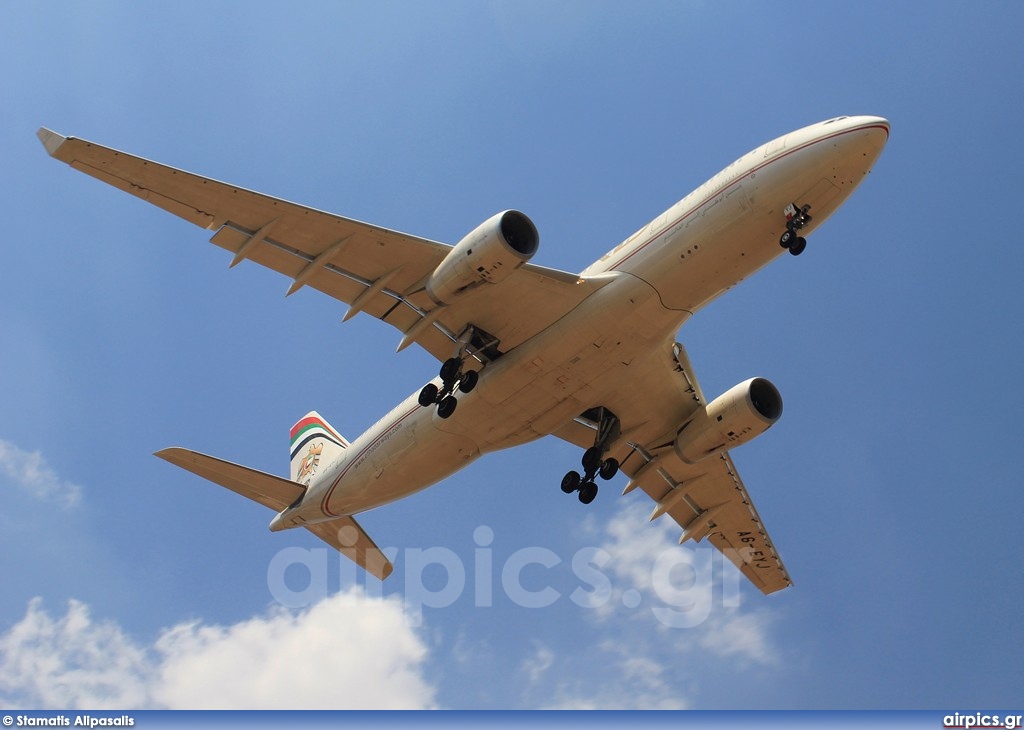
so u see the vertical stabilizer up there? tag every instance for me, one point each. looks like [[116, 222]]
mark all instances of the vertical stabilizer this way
[[314, 443]]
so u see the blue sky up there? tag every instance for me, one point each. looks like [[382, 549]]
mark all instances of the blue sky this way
[[890, 486]]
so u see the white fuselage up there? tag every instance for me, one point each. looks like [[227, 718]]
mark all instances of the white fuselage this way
[[652, 282]]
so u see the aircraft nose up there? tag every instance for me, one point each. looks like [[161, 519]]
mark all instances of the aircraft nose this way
[[876, 128], [865, 120], [860, 140]]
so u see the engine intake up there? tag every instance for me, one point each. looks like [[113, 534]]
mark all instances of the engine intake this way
[[495, 249], [732, 419]]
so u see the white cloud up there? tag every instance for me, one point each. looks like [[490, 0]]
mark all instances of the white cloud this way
[[535, 666], [642, 684], [695, 589], [28, 471], [642, 661], [347, 651], [741, 635], [70, 662], [638, 684], [650, 663], [351, 651], [634, 544]]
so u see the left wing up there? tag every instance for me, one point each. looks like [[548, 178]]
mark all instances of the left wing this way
[[372, 269], [706, 499]]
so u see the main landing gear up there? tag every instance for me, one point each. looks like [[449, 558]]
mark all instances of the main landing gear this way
[[452, 377], [594, 462], [796, 218], [473, 343]]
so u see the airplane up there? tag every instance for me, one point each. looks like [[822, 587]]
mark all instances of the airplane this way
[[528, 351]]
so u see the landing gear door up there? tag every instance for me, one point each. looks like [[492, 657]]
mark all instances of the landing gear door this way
[[819, 197]]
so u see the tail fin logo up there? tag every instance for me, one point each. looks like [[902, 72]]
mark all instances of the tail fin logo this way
[[307, 468], [315, 447]]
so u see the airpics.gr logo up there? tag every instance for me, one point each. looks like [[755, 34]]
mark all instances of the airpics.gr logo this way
[[956, 720], [681, 587]]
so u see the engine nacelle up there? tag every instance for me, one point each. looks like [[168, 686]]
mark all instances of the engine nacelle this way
[[732, 419], [495, 249]]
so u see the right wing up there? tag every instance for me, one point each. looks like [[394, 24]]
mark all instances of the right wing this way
[[372, 269], [706, 499]]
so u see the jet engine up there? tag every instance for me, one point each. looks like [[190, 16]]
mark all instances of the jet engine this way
[[732, 419], [495, 249]]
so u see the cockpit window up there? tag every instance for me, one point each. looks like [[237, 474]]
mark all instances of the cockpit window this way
[[836, 119]]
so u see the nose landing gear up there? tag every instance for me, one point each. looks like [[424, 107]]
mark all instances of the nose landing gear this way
[[594, 463], [796, 218]]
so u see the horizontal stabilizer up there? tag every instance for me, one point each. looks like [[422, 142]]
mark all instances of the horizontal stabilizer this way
[[347, 537], [271, 491]]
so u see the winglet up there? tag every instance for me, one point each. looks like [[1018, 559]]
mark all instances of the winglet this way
[[51, 140]]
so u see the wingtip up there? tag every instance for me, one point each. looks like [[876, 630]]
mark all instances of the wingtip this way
[[172, 454], [51, 140]]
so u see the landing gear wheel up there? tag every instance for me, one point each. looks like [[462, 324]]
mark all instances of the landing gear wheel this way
[[469, 380], [428, 396], [450, 369], [592, 459], [594, 463], [447, 406], [609, 468], [571, 482], [796, 218]]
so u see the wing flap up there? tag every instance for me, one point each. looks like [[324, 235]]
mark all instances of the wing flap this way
[[269, 490], [710, 501], [732, 524]]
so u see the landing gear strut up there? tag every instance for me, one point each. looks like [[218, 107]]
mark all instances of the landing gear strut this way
[[594, 463], [796, 218], [453, 377]]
